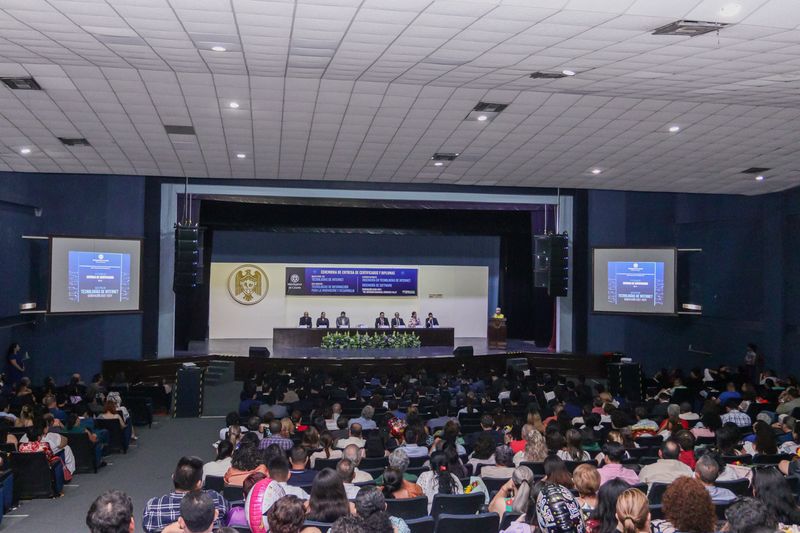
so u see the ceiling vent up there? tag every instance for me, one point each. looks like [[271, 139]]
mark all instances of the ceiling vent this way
[[689, 28], [547, 75], [179, 130], [756, 170], [444, 156], [76, 141], [489, 107], [22, 84]]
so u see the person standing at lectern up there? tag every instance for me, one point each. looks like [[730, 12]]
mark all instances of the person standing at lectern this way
[[381, 321], [413, 322], [343, 321], [322, 322], [431, 321], [305, 320], [397, 321], [498, 313]]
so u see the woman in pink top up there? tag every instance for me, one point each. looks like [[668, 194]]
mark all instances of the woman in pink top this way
[[708, 425]]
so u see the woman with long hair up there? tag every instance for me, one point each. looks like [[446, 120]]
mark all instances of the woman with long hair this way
[[25, 418], [535, 449], [728, 440], [687, 506], [327, 450], [310, 441], [234, 435], [633, 512], [772, 489], [439, 479], [555, 471], [328, 499], [535, 419], [221, 463], [604, 517], [374, 447], [393, 484], [765, 443], [573, 450]]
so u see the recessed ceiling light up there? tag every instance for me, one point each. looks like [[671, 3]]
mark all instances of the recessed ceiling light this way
[[759, 178], [596, 171], [674, 129], [438, 164], [233, 105], [730, 10], [482, 118], [241, 156], [568, 72], [219, 48], [25, 151]]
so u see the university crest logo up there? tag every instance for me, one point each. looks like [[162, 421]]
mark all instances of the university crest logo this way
[[248, 284]]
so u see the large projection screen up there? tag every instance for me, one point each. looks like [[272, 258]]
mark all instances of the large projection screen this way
[[634, 280], [94, 275]]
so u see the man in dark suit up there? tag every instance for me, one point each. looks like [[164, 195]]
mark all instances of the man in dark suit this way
[[322, 321], [305, 320], [381, 321], [431, 321], [342, 321], [397, 321]]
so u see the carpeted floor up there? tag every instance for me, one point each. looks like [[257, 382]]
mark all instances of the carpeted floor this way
[[145, 471]]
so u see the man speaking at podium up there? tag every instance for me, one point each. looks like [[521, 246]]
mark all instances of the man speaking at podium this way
[[498, 313]]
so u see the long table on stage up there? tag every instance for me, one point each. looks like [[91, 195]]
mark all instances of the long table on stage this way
[[312, 337]]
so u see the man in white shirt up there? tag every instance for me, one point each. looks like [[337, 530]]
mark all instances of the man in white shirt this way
[[353, 454], [354, 438], [279, 471], [411, 447], [668, 468], [346, 470]]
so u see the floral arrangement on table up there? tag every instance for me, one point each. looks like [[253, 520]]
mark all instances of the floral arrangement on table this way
[[359, 341]]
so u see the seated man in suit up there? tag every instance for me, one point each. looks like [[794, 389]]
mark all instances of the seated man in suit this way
[[305, 320], [322, 322], [381, 321], [397, 321], [498, 313], [343, 321], [431, 321]]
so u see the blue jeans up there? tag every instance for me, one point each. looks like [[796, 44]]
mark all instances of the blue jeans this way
[[58, 477]]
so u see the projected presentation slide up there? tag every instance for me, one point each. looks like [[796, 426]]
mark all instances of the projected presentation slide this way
[[321, 281], [634, 280], [94, 275]]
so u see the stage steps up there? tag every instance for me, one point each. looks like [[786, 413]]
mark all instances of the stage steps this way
[[220, 372]]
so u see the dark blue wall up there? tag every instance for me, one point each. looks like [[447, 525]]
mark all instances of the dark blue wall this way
[[81, 205], [746, 276], [274, 247]]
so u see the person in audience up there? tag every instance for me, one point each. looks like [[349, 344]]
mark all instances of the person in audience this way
[[504, 464], [573, 451], [788, 401], [197, 514], [673, 423], [439, 479], [487, 428], [791, 446], [365, 420], [286, 515], [394, 484], [633, 512], [220, 465], [514, 495], [346, 471], [733, 414], [374, 447], [398, 460], [327, 450], [74, 428], [557, 511], [353, 454], [772, 489], [310, 440], [586, 480], [668, 468], [411, 445], [613, 454], [685, 440], [765, 442], [730, 393], [270, 405], [687, 413], [483, 451], [535, 449], [354, 438], [25, 418], [644, 426], [707, 471], [328, 499], [448, 436], [111, 512], [280, 471], [709, 424], [237, 514], [130, 431], [604, 517], [748, 515], [371, 507], [687, 506], [555, 471], [441, 418], [260, 499], [279, 434], [300, 474], [244, 461], [161, 511], [231, 419], [728, 440]]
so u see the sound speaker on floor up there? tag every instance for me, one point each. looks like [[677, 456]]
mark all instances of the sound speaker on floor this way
[[462, 352], [259, 351]]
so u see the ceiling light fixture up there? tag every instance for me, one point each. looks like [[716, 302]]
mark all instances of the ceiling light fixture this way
[[568, 72], [25, 151], [730, 10], [438, 164], [596, 171], [233, 105], [482, 118], [241, 156], [218, 48], [759, 178], [674, 129]]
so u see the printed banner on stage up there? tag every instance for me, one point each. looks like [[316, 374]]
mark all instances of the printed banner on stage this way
[[323, 281]]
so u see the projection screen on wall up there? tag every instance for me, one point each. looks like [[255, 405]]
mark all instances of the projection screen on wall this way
[[634, 280]]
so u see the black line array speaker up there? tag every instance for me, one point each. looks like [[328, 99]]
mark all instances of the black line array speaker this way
[[551, 263], [189, 270], [463, 352], [259, 351]]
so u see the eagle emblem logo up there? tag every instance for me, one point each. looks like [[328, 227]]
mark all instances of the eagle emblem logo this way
[[248, 284]]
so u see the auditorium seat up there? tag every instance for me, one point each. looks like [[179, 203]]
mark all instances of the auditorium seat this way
[[508, 518], [425, 524], [373, 462], [408, 507], [536, 468], [457, 503], [741, 459], [740, 487], [116, 437], [84, 451], [416, 471], [771, 459], [414, 462], [572, 465], [216, 483], [459, 523], [656, 493], [32, 476], [233, 494], [322, 464], [494, 483]]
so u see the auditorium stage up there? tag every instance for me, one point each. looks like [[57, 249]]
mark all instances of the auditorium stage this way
[[241, 348]]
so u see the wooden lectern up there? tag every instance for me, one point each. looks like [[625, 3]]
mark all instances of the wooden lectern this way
[[496, 334]]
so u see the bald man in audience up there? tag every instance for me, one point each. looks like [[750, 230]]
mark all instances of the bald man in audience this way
[[353, 454], [354, 438], [668, 468]]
